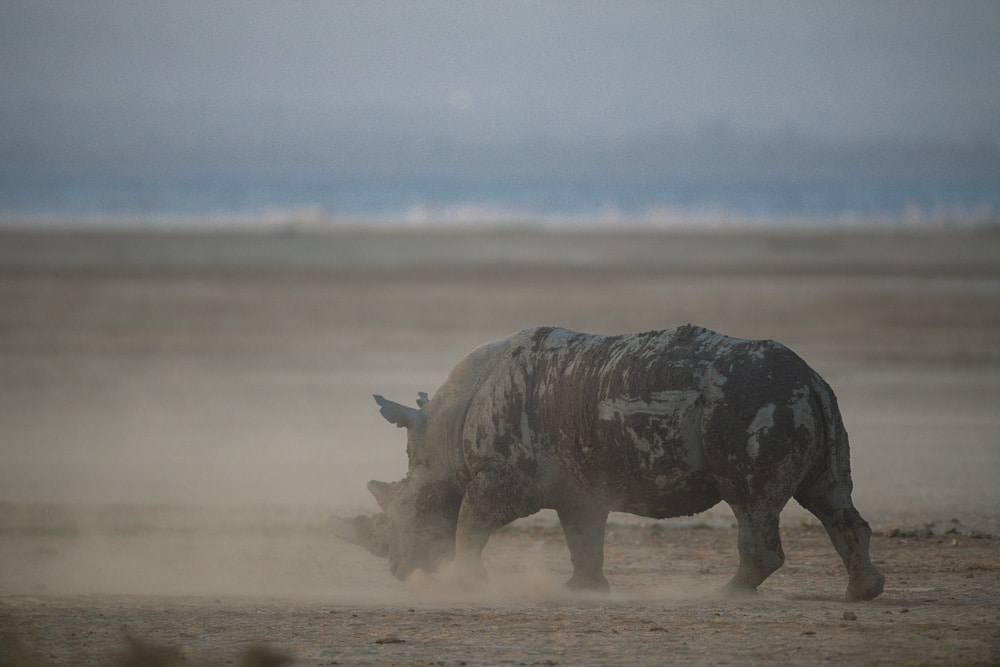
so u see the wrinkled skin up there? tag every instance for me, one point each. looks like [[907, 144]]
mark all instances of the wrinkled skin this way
[[392, 534], [658, 424]]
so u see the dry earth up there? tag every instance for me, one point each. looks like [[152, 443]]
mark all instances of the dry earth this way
[[180, 412], [939, 606]]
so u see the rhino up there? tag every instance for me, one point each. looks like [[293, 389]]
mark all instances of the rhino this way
[[658, 424]]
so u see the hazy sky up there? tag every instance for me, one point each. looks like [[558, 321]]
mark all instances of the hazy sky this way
[[496, 88]]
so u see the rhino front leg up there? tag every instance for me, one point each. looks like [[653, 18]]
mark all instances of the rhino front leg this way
[[492, 500], [473, 532], [584, 527]]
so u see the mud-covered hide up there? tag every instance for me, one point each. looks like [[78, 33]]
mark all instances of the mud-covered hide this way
[[660, 424]]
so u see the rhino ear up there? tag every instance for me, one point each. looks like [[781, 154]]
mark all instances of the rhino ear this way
[[397, 414], [383, 492]]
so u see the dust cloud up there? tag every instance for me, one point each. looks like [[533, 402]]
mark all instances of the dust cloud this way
[[180, 414]]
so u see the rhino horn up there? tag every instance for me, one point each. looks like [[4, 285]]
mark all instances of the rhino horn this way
[[397, 414], [360, 531], [383, 492]]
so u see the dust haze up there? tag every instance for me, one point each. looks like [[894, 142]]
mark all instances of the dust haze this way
[[182, 413]]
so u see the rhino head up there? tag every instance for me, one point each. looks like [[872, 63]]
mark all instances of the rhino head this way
[[416, 528]]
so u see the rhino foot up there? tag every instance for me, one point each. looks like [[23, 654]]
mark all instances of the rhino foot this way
[[593, 584], [867, 588], [469, 574], [735, 590]]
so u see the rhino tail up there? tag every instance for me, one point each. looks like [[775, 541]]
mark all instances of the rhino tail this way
[[836, 457]]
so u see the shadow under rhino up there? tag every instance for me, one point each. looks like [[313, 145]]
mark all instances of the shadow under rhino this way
[[659, 424]]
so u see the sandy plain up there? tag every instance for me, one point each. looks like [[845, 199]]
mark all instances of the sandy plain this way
[[181, 412]]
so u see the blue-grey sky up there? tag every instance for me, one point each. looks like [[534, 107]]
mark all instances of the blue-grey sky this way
[[495, 88]]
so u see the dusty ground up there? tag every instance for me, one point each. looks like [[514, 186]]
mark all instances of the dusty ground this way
[[180, 413], [286, 593]]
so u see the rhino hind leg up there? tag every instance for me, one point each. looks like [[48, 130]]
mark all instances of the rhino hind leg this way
[[759, 548], [830, 501], [584, 529]]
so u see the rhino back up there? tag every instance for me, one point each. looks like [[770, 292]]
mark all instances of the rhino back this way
[[650, 421], [628, 411]]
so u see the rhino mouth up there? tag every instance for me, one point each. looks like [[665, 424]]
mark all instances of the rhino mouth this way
[[428, 557]]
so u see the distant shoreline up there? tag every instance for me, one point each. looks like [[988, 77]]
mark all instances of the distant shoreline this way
[[308, 220], [330, 249]]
